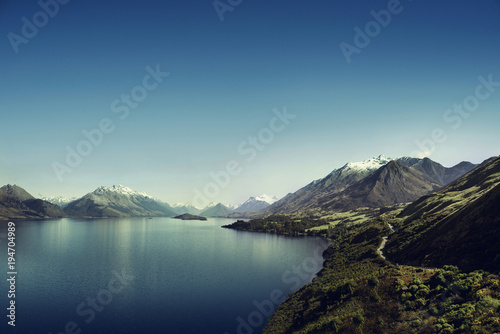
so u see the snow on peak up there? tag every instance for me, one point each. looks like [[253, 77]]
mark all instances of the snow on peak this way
[[369, 164], [59, 200], [120, 189], [265, 198], [213, 204]]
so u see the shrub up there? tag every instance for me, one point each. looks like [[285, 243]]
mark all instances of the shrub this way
[[358, 319], [420, 302], [373, 282], [490, 303]]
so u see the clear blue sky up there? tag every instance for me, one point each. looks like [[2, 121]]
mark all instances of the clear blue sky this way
[[225, 79]]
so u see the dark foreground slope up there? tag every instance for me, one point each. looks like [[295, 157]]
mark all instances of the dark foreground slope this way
[[459, 225]]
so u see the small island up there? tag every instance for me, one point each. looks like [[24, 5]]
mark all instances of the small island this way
[[188, 216]]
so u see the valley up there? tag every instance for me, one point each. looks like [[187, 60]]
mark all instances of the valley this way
[[415, 246]]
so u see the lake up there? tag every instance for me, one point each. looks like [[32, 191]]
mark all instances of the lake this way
[[160, 275]]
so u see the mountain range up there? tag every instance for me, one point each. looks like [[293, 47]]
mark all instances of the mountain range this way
[[431, 266], [60, 201], [391, 184], [347, 187], [373, 183], [396, 271], [182, 208]]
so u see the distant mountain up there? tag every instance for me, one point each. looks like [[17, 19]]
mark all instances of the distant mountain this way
[[182, 208], [458, 225], [229, 206], [320, 192], [217, 210], [118, 201], [17, 203], [256, 203], [60, 201]]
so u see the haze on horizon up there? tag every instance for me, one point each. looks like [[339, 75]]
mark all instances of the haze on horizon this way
[[167, 94]]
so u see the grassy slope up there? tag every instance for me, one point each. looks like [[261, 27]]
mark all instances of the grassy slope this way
[[459, 225], [359, 292]]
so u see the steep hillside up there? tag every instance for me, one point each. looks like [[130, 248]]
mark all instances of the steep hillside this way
[[459, 225], [358, 291]]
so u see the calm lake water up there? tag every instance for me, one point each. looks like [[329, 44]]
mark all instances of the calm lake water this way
[[155, 275]]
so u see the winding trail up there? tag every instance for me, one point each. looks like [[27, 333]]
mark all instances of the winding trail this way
[[382, 244]]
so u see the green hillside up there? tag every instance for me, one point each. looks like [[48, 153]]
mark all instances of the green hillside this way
[[359, 292]]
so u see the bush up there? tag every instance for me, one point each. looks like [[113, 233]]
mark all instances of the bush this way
[[420, 302], [373, 282], [335, 325], [358, 319], [490, 303]]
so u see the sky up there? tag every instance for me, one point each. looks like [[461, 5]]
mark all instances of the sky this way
[[203, 101]]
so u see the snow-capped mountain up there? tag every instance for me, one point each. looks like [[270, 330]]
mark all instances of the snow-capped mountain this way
[[353, 172], [60, 201], [119, 189], [182, 208], [232, 207], [266, 198], [368, 165], [118, 201], [256, 203]]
